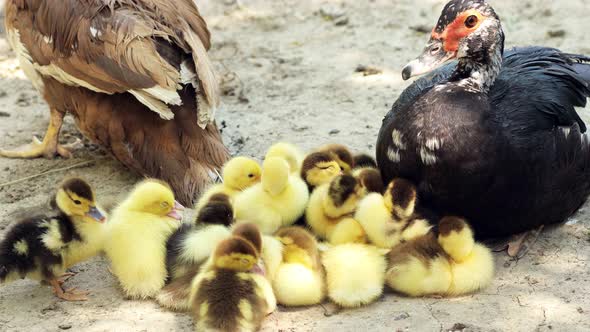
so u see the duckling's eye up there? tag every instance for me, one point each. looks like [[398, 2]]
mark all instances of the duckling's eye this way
[[250, 175], [164, 204], [245, 261], [77, 202], [471, 21]]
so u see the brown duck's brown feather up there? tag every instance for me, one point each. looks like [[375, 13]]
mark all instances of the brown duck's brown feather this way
[[177, 151], [91, 54]]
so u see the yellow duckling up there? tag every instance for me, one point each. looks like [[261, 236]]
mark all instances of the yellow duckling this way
[[44, 246], [330, 209], [391, 219], [319, 168], [137, 235], [238, 174], [355, 273], [300, 278], [289, 152], [229, 296], [446, 262], [279, 200], [341, 154]]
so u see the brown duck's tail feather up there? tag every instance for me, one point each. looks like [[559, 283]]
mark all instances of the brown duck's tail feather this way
[[176, 295]]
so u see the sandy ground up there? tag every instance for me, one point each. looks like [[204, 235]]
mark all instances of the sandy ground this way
[[289, 74]]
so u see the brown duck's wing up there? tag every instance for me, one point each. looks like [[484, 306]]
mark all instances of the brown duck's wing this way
[[145, 47]]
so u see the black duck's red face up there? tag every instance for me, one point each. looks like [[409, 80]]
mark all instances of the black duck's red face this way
[[462, 26]]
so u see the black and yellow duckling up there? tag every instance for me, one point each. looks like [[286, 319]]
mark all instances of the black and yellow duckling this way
[[366, 172], [137, 235], [330, 210], [446, 261], [341, 154], [230, 296], [364, 161], [189, 251], [392, 218], [217, 210], [300, 279], [319, 168], [44, 246]]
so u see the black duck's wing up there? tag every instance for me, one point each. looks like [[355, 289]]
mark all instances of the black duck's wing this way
[[538, 88]]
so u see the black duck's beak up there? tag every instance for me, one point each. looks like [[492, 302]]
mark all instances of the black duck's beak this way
[[95, 214], [432, 57]]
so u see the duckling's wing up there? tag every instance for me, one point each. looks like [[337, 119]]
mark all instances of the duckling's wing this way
[[145, 47]]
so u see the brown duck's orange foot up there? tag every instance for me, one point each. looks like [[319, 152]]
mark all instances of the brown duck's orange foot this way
[[70, 294], [37, 149]]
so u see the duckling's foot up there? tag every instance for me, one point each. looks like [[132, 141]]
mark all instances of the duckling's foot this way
[[64, 277], [520, 244], [330, 309], [69, 295], [43, 148]]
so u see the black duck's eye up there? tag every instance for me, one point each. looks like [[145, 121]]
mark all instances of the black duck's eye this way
[[471, 21], [77, 202]]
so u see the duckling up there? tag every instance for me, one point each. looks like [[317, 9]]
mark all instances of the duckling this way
[[238, 174], [364, 161], [391, 219], [44, 246], [446, 262], [137, 235], [279, 200], [300, 278], [366, 172], [229, 296], [217, 210], [289, 152], [332, 204], [187, 249], [341, 154], [355, 273], [319, 168]]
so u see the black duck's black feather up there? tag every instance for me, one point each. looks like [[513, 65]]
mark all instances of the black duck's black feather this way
[[524, 163]]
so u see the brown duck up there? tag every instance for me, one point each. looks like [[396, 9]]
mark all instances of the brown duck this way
[[135, 75]]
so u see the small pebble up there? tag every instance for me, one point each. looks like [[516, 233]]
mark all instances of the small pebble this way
[[368, 70], [403, 315], [65, 326], [334, 131], [556, 33], [4, 115], [421, 28]]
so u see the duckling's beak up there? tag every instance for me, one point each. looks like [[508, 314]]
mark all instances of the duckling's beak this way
[[178, 206], [176, 212], [95, 214], [258, 268]]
